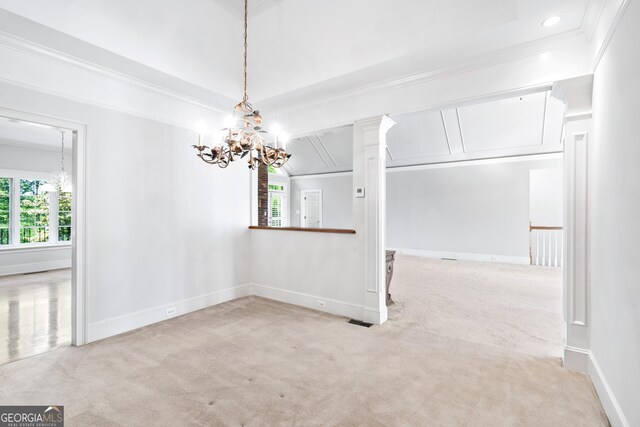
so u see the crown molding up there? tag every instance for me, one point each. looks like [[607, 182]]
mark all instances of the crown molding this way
[[592, 16], [570, 38], [34, 49], [611, 29], [31, 145]]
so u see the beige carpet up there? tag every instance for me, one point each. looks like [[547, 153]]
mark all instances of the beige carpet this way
[[466, 345]]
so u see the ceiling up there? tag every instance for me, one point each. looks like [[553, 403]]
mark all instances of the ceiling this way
[[529, 123], [255, 6], [32, 135], [295, 44]]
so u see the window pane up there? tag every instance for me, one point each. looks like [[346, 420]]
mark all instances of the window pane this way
[[5, 203], [5, 186], [4, 216], [34, 235], [34, 212], [64, 202], [64, 234], [64, 219], [64, 216], [4, 236]]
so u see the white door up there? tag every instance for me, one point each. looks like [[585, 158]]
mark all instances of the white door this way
[[311, 209], [277, 209]]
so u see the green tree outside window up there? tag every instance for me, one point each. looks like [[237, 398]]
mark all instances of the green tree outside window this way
[[64, 216], [5, 202], [34, 212]]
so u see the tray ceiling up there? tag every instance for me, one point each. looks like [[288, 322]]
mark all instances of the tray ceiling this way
[[530, 123], [296, 44]]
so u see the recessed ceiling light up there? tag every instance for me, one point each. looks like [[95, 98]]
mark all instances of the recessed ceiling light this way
[[551, 21]]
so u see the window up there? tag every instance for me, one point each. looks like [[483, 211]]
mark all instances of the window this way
[[29, 215], [64, 217], [5, 202], [34, 212], [275, 206]]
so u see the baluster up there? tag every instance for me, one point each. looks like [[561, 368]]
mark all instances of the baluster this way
[[537, 247], [549, 253], [555, 261]]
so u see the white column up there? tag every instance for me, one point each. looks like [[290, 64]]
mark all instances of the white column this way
[[369, 212], [575, 272]]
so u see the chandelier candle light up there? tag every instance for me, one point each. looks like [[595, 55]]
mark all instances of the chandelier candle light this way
[[243, 132]]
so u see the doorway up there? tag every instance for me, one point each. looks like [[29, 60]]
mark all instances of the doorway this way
[[42, 219], [311, 208]]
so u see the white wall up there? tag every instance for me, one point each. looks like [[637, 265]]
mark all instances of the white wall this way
[[546, 197], [614, 229], [337, 200], [30, 260], [32, 159], [164, 229], [471, 210]]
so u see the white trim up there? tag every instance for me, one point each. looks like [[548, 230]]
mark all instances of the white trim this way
[[574, 117], [33, 247], [610, 32], [35, 267], [321, 175], [576, 359], [476, 162], [336, 307], [79, 286], [22, 174], [464, 256], [607, 398], [128, 322], [489, 161], [478, 62], [128, 94], [33, 146], [44, 52]]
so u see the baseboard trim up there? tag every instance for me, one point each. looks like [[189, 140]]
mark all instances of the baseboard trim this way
[[607, 398], [120, 324], [338, 308], [129, 322], [34, 267], [463, 256], [576, 359]]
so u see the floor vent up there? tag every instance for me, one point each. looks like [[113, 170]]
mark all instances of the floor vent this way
[[35, 272], [448, 259], [359, 323]]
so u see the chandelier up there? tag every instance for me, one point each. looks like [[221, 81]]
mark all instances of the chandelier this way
[[243, 136], [60, 180]]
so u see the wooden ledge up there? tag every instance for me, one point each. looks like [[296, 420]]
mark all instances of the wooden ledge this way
[[308, 230]]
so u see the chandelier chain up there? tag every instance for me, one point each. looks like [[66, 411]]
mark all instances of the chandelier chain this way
[[246, 46], [62, 156]]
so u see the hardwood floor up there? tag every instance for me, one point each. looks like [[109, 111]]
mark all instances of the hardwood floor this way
[[35, 313]]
